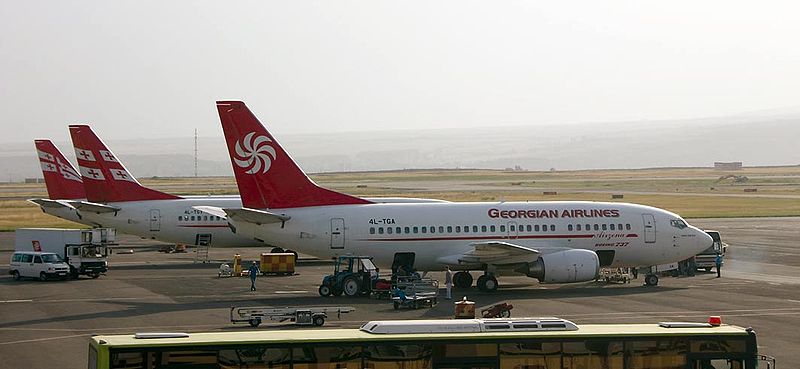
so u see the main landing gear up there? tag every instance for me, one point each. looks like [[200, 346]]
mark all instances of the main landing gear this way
[[486, 282]]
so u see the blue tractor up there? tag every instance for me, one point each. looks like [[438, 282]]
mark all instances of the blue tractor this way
[[352, 275]]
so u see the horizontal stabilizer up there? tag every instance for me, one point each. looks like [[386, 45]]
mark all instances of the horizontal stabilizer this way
[[93, 207], [50, 204], [494, 253], [245, 214]]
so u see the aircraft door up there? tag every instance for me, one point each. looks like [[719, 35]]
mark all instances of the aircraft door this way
[[649, 228], [337, 233], [513, 230], [155, 220]]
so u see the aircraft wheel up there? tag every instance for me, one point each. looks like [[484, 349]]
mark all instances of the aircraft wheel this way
[[489, 283], [350, 286], [292, 252], [324, 290], [462, 280], [15, 275], [651, 280], [276, 250]]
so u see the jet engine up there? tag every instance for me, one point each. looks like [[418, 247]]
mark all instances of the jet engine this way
[[564, 267]]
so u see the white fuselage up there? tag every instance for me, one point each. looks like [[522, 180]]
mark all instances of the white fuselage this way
[[173, 220], [627, 234]]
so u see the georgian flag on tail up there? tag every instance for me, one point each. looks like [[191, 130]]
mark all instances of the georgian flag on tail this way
[[63, 182], [92, 173]]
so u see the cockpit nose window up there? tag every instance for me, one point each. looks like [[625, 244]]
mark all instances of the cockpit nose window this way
[[677, 223]]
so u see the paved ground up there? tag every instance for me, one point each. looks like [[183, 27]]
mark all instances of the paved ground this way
[[42, 323]]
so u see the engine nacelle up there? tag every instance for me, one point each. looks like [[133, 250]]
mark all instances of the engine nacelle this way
[[565, 267]]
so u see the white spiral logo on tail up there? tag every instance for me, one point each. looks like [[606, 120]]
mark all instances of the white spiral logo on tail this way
[[254, 153]]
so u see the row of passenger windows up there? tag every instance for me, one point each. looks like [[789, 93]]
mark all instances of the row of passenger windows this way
[[597, 227], [543, 228], [205, 218]]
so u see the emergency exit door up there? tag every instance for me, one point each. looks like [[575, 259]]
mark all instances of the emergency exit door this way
[[649, 228], [337, 233], [155, 220]]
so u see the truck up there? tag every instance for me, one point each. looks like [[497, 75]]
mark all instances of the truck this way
[[706, 260], [84, 250]]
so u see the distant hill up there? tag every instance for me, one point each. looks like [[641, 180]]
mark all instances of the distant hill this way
[[756, 138]]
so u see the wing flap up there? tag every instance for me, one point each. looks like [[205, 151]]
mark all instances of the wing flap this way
[[93, 207], [494, 253], [245, 214]]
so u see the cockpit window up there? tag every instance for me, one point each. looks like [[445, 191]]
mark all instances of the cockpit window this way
[[677, 223]]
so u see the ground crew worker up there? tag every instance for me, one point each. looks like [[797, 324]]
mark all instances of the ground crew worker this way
[[253, 271], [718, 262], [448, 282]]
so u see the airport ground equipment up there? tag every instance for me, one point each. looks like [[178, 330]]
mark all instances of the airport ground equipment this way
[[352, 275], [382, 289], [443, 343], [706, 260], [415, 292], [36, 264], [614, 275], [255, 315], [225, 270], [84, 250], [282, 263], [500, 310]]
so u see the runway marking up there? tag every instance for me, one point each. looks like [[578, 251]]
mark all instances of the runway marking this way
[[44, 339], [797, 301], [13, 301]]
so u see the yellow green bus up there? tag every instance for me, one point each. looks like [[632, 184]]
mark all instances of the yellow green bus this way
[[524, 343]]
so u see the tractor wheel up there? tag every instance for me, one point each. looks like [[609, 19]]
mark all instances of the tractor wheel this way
[[324, 290], [351, 286]]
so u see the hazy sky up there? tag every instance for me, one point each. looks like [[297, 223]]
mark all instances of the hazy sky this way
[[141, 68]]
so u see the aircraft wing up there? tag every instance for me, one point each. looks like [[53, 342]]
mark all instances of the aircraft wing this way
[[494, 253], [52, 204], [244, 214], [92, 207]]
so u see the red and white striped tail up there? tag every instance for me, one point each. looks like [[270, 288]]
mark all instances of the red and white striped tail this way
[[63, 182]]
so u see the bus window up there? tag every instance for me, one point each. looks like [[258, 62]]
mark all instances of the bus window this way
[[255, 356], [127, 360], [593, 354], [343, 357], [656, 354], [530, 355], [465, 350], [718, 345], [717, 364], [397, 356]]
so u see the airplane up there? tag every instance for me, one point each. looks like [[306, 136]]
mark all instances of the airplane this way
[[552, 241], [63, 182], [114, 198]]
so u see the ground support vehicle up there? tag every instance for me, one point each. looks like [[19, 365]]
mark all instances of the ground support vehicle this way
[[352, 275], [446, 343], [614, 275], [382, 289], [415, 292], [255, 315], [501, 310], [84, 250], [36, 264], [706, 260]]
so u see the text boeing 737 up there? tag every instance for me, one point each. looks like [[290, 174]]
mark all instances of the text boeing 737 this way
[[555, 242]]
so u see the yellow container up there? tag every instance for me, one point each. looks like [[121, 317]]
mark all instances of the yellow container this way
[[277, 263], [237, 265], [464, 309]]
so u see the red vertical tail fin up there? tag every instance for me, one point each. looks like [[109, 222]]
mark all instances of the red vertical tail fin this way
[[63, 182], [267, 176], [104, 176]]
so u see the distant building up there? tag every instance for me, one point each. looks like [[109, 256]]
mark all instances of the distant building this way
[[733, 165]]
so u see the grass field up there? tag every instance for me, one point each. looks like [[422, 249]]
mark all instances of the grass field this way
[[691, 192]]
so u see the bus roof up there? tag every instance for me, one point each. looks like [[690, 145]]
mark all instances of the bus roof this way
[[313, 336]]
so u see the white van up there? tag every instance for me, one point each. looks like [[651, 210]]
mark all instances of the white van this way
[[42, 265]]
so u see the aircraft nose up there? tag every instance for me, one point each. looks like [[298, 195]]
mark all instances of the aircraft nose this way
[[704, 241]]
